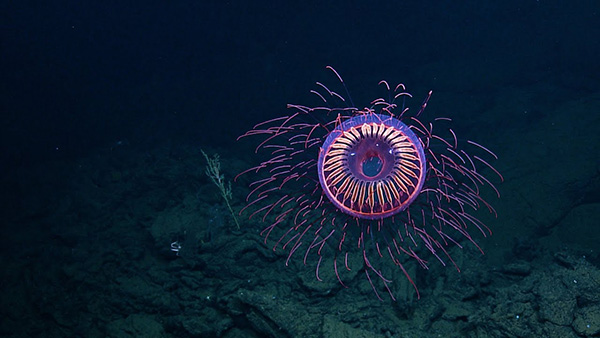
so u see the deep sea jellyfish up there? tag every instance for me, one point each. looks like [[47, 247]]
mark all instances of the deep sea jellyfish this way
[[367, 188]]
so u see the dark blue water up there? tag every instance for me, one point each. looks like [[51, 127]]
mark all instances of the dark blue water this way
[[111, 227]]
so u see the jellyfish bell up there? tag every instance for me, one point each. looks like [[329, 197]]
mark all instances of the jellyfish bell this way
[[371, 166]]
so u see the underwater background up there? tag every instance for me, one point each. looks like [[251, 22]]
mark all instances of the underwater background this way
[[111, 227]]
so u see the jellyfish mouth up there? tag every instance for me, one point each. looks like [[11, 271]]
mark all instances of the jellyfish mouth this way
[[372, 166]]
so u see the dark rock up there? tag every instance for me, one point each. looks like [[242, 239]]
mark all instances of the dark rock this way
[[518, 269]]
